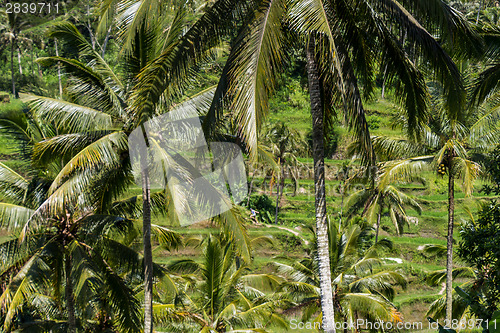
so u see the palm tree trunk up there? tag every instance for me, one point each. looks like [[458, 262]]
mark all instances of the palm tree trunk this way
[[378, 224], [277, 203], [12, 78], [384, 82], [318, 153], [250, 188], [68, 291], [32, 62], [449, 245], [148, 255], [279, 193], [58, 69], [19, 61]]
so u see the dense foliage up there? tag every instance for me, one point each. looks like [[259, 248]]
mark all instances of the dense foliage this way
[[292, 83]]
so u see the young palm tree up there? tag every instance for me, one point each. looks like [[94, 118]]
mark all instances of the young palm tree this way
[[373, 201], [284, 143], [225, 296], [362, 286]]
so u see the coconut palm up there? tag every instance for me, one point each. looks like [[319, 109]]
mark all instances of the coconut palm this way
[[373, 201], [449, 142], [284, 143], [101, 111], [363, 287], [10, 34], [343, 42], [60, 250], [219, 295]]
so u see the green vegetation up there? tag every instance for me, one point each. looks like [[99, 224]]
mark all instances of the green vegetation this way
[[370, 132]]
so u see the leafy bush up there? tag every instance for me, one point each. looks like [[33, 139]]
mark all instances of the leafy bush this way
[[289, 242], [480, 248], [492, 166], [264, 205], [374, 122]]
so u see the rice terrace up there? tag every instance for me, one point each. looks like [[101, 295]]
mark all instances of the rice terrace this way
[[250, 166]]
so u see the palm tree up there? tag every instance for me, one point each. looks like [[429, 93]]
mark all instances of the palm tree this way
[[10, 35], [226, 296], [158, 56], [284, 143], [362, 286], [58, 246], [449, 141], [373, 201], [343, 42]]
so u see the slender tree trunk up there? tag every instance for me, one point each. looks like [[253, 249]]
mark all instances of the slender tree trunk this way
[[68, 291], [378, 224], [279, 193], [250, 188], [449, 240], [40, 73], [481, 4], [318, 153], [383, 82], [148, 255], [89, 28], [277, 203], [341, 214], [12, 77], [106, 40], [19, 61], [58, 69], [32, 62]]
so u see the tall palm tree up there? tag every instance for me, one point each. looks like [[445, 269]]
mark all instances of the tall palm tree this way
[[157, 60], [55, 247], [362, 286], [344, 40], [226, 297], [449, 142]]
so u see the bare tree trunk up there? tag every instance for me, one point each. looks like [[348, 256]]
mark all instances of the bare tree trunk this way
[[106, 40], [383, 82], [277, 203], [318, 152], [68, 291], [378, 224], [32, 61], [481, 4], [12, 77], [449, 240], [250, 188], [89, 28], [40, 73], [279, 193], [58, 69], [19, 61], [148, 255]]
